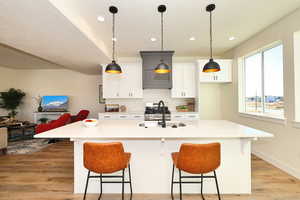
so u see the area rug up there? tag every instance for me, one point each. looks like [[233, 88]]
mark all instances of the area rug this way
[[27, 146]]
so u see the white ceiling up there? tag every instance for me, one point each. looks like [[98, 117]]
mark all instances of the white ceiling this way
[[13, 58], [138, 21], [67, 32], [38, 28]]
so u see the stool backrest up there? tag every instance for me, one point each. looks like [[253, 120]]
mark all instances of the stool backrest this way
[[104, 157], [199, 158]]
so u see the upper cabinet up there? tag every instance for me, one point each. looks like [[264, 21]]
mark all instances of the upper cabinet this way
[[184, 80], [128, 84], [223, 76]]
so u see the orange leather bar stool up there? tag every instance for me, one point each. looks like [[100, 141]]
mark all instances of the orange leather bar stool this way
[[196, 159], [106, 158]]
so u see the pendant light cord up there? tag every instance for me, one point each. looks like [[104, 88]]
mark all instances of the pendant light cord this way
[[114, 38], [162, 35], [211, 53]]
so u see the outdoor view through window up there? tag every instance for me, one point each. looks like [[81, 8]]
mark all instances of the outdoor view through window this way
[[264, 82]]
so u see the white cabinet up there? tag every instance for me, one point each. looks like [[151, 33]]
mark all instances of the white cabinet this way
[[223, 76], [184, 80], [128, 84], [188, 116], [120, 116]]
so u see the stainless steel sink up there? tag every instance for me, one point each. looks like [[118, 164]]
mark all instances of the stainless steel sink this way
[[169, 124]]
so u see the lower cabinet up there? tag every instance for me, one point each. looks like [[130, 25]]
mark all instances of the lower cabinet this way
[[120, 116]]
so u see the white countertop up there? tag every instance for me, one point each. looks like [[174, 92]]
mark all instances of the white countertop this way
[[128, 129]]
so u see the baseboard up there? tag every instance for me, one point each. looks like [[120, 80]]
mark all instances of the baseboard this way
[[279, 164]]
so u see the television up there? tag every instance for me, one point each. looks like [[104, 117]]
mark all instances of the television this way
[[55, 103]]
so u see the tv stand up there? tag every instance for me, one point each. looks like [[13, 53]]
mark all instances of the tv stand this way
[[53, 115]]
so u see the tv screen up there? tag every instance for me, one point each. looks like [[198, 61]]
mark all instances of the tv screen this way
[[55, 103]]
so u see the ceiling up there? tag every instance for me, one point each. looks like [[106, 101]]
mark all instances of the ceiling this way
[[17, 59], [67, 32]]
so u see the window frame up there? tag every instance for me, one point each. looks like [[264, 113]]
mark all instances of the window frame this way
[[242, 87]]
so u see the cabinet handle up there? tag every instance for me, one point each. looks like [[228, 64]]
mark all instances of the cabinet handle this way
[[117, 94]]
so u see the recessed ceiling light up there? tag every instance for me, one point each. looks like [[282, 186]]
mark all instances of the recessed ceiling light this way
[[100, 19], [153, 39], [231, 38], [192, 38]]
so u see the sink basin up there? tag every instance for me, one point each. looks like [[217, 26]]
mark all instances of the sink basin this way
[[169, 124]]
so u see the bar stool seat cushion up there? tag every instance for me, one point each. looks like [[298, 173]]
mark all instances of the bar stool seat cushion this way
[[105, 157], [197, 158]]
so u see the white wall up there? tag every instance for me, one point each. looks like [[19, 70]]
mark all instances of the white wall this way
[[81, 88], [283, 150]]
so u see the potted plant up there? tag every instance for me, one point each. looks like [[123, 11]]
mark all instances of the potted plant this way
[[43, 120], [11, 100]]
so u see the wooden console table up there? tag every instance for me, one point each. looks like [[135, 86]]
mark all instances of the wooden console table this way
[[20, 132]]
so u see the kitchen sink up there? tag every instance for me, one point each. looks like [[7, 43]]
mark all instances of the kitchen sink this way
[[169, 124]]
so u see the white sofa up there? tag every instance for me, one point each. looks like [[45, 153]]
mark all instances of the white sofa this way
[[3, 139]]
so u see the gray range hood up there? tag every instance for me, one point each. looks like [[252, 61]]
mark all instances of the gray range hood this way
[[151, 59]]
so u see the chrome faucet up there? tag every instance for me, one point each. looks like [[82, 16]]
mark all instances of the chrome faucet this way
[[161, 106]]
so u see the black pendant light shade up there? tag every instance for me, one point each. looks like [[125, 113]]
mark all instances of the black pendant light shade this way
[[211, 66], [162, 68], [113, 67]]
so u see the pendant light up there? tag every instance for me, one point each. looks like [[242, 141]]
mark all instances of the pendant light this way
[[162, 68], [113, 67], [211, 66]]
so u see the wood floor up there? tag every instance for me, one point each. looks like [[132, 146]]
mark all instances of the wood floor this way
[[48, 175]]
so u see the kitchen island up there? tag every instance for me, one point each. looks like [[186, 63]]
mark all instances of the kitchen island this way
[[151, 164]]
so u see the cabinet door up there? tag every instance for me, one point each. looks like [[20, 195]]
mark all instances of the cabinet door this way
[[177, 79], [131, 81], [189, 80], [111, 84], [225, 74]]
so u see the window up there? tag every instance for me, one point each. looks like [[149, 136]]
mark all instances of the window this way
[[297, 75], [263, 83]]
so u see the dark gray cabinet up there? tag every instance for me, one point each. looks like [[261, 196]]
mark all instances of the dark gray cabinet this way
[[151, 59]]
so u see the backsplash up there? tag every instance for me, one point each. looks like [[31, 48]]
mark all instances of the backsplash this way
[[150, 95]]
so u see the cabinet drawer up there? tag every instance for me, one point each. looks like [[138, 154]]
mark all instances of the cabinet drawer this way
[[138, 117], [124, 117], [107, 117], [177, 116], [191, 116]]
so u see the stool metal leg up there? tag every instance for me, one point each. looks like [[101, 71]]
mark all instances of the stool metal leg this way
[[217, 185], [123, 184], [172, 183], [180, 187], [100, 187], [202, 187], [86, 185], [129, 171]]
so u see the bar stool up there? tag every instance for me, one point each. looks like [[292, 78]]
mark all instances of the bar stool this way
[[106, 158], [196, 159]]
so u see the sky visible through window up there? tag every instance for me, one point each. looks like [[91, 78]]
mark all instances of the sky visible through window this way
[[269, 62]]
